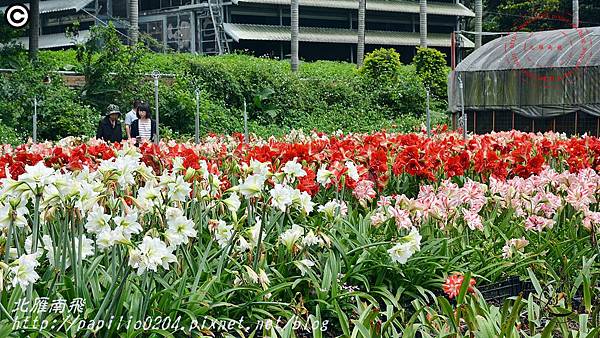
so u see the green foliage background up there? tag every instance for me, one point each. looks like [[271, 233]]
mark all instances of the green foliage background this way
[[326, 96]]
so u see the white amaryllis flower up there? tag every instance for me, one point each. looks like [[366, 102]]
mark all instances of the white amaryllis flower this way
[[222, 232], [107, 239], [173, 213], [243, 244], [149, 196], [252, 185], [129, 223], [293, 169], [232, 202], [44, 243], [324, 176], [204, 170], [352, 171], [254, 232], [303, 201], [37, 176], [401, 252], [311, 239], [97, 220], [13, 212], [291, 236], [179, 230], [333, 207], [179, 190], [281, 197], [151, 254], [260, 168], [23, 270], [178, 164], [414, 239]]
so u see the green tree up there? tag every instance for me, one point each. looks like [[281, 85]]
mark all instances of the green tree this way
[[111, 68], [431, 68]]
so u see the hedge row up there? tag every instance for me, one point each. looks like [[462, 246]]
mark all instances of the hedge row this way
[[323, 95]]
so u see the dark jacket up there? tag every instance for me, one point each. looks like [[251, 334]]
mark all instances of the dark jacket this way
[[109, 133], [135, 129]]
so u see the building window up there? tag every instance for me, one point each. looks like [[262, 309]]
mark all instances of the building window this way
[[179, 33], [154, 30]]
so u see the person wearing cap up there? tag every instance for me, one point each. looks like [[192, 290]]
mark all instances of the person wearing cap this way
[[109, 128]]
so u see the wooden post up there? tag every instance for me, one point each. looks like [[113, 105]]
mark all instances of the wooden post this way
[[598, 127], [576, 122], [474, 122], [532, 125], [494, 120]]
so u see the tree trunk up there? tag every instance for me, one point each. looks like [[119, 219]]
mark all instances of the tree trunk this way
[[133, 22], [423, 22], [575, 13], [34, 29], [478, 22], [295, 34], [360, 50]]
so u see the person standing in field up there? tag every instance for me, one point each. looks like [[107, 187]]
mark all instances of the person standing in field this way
[[131, 116], [143, 128], [109, 128]]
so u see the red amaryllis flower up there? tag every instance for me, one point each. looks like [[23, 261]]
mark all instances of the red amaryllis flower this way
[[308, 183], [453, 283]]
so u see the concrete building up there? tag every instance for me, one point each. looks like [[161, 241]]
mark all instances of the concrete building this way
[[261, 27]]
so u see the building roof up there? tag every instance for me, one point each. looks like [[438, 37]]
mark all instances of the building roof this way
[[334, 35], [51, 6], [433, 8], [56, 40]]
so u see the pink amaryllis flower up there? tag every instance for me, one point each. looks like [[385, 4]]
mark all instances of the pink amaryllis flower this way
[[538, 223], [453, 284], [364, 190]]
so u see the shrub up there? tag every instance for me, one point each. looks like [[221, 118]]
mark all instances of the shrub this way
[[432, 70], [382, 65], [60, 112], [110, 67]]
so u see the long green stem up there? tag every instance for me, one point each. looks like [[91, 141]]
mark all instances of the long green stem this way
[[8, 240], [36, 224]]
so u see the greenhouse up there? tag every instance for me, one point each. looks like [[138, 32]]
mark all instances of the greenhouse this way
[[531, 81]]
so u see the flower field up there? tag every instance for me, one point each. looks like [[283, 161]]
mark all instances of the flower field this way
[[312, 235]]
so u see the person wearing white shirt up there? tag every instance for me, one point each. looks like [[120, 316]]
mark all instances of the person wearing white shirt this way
[[131, 116], [143, 129]]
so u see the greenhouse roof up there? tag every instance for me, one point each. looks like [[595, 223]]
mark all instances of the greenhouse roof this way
[[535, 74], [546, 49]]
